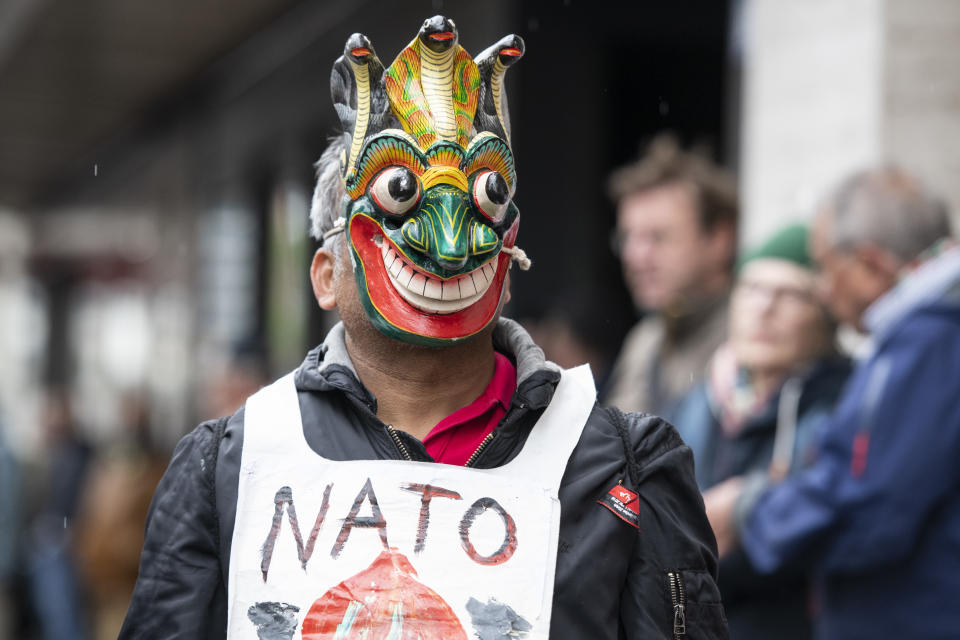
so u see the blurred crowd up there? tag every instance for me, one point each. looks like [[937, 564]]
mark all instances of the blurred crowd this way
[[829, 479], [72, 521]]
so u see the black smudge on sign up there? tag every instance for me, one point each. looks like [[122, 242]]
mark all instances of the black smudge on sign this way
[[274, 620], [496, 620]]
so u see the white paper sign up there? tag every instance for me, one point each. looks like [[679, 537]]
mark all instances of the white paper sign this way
[[391, 549]]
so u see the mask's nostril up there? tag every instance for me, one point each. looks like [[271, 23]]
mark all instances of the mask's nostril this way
[[451, 263]]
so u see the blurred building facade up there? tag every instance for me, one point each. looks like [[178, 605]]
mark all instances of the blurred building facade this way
[[156, 172], [155, 161], [831, 87]]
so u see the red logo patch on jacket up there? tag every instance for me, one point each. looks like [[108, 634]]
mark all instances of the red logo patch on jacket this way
[[624, 503]]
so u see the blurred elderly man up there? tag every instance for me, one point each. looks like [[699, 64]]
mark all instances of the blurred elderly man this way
[[676, 235], [877, 516], [768, 391]]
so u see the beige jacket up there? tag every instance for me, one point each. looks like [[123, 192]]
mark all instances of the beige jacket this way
[[662, 359]]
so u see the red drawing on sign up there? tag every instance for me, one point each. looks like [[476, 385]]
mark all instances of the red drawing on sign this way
[[385, 600]]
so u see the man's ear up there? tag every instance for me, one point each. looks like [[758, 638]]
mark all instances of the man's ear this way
[[723, 242], [322, 277]]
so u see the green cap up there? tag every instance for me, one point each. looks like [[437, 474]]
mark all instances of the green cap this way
[[790, 244]]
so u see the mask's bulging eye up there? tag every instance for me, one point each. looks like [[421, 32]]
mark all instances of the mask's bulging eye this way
[[396, 190], [491, 195]]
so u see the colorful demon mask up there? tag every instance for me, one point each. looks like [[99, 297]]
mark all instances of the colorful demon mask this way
[[429, 173]]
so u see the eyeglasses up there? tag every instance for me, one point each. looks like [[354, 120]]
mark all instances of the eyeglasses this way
[[788, 295], [619, 239]]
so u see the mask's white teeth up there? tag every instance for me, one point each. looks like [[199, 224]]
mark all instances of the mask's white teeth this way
[[467, 286], [451, 290], [417, 283], [396, 267], [431, 294], [389, 255], [433, 289], [489, 270], [406, 273]]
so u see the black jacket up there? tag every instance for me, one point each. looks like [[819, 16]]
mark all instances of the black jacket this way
[[776, 605], [612, 581]]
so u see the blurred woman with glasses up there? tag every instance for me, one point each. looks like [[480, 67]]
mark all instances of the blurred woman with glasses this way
[[767, 390]]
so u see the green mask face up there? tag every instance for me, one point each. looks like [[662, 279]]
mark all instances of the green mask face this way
[[430, 177]]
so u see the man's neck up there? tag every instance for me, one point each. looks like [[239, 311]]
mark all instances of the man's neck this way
[[417, 387], [683, 319]]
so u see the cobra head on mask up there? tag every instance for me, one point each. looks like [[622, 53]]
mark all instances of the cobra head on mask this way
[[429, 216]]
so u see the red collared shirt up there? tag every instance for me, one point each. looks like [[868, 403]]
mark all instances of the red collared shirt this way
[[457, 436]]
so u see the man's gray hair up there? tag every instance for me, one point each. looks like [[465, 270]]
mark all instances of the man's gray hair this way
[[888, 207], [329, 191]]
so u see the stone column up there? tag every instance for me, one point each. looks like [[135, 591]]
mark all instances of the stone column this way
[[831, 86]]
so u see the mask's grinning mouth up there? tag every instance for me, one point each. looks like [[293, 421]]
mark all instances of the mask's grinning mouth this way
[[431, 294]]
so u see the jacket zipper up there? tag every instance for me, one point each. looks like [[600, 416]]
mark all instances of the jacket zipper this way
[[406, 454], [679, 599], [486, 441], [470, 461], [400, 446], [476, 454]]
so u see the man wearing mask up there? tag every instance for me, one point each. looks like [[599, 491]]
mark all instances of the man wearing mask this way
[[877, 515], [676, 236], [425, 473]]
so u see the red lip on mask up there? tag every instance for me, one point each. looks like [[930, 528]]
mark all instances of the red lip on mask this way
[[444, 35], [400, 313], [511, 51]]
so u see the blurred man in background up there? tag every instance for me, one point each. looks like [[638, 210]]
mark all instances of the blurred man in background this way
[[768, 390], [54, 588], [676, 235], [878, 514]]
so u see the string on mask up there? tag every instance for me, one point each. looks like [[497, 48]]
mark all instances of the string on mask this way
[[338, 227], [519, 256]]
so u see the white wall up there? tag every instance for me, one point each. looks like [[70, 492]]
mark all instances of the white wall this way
[[831, 86], [921, 93], [811, 103]]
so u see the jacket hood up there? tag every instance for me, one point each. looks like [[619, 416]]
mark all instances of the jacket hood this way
[[934, 283]]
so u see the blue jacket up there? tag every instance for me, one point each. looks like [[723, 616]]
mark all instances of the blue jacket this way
[[878, 514]]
